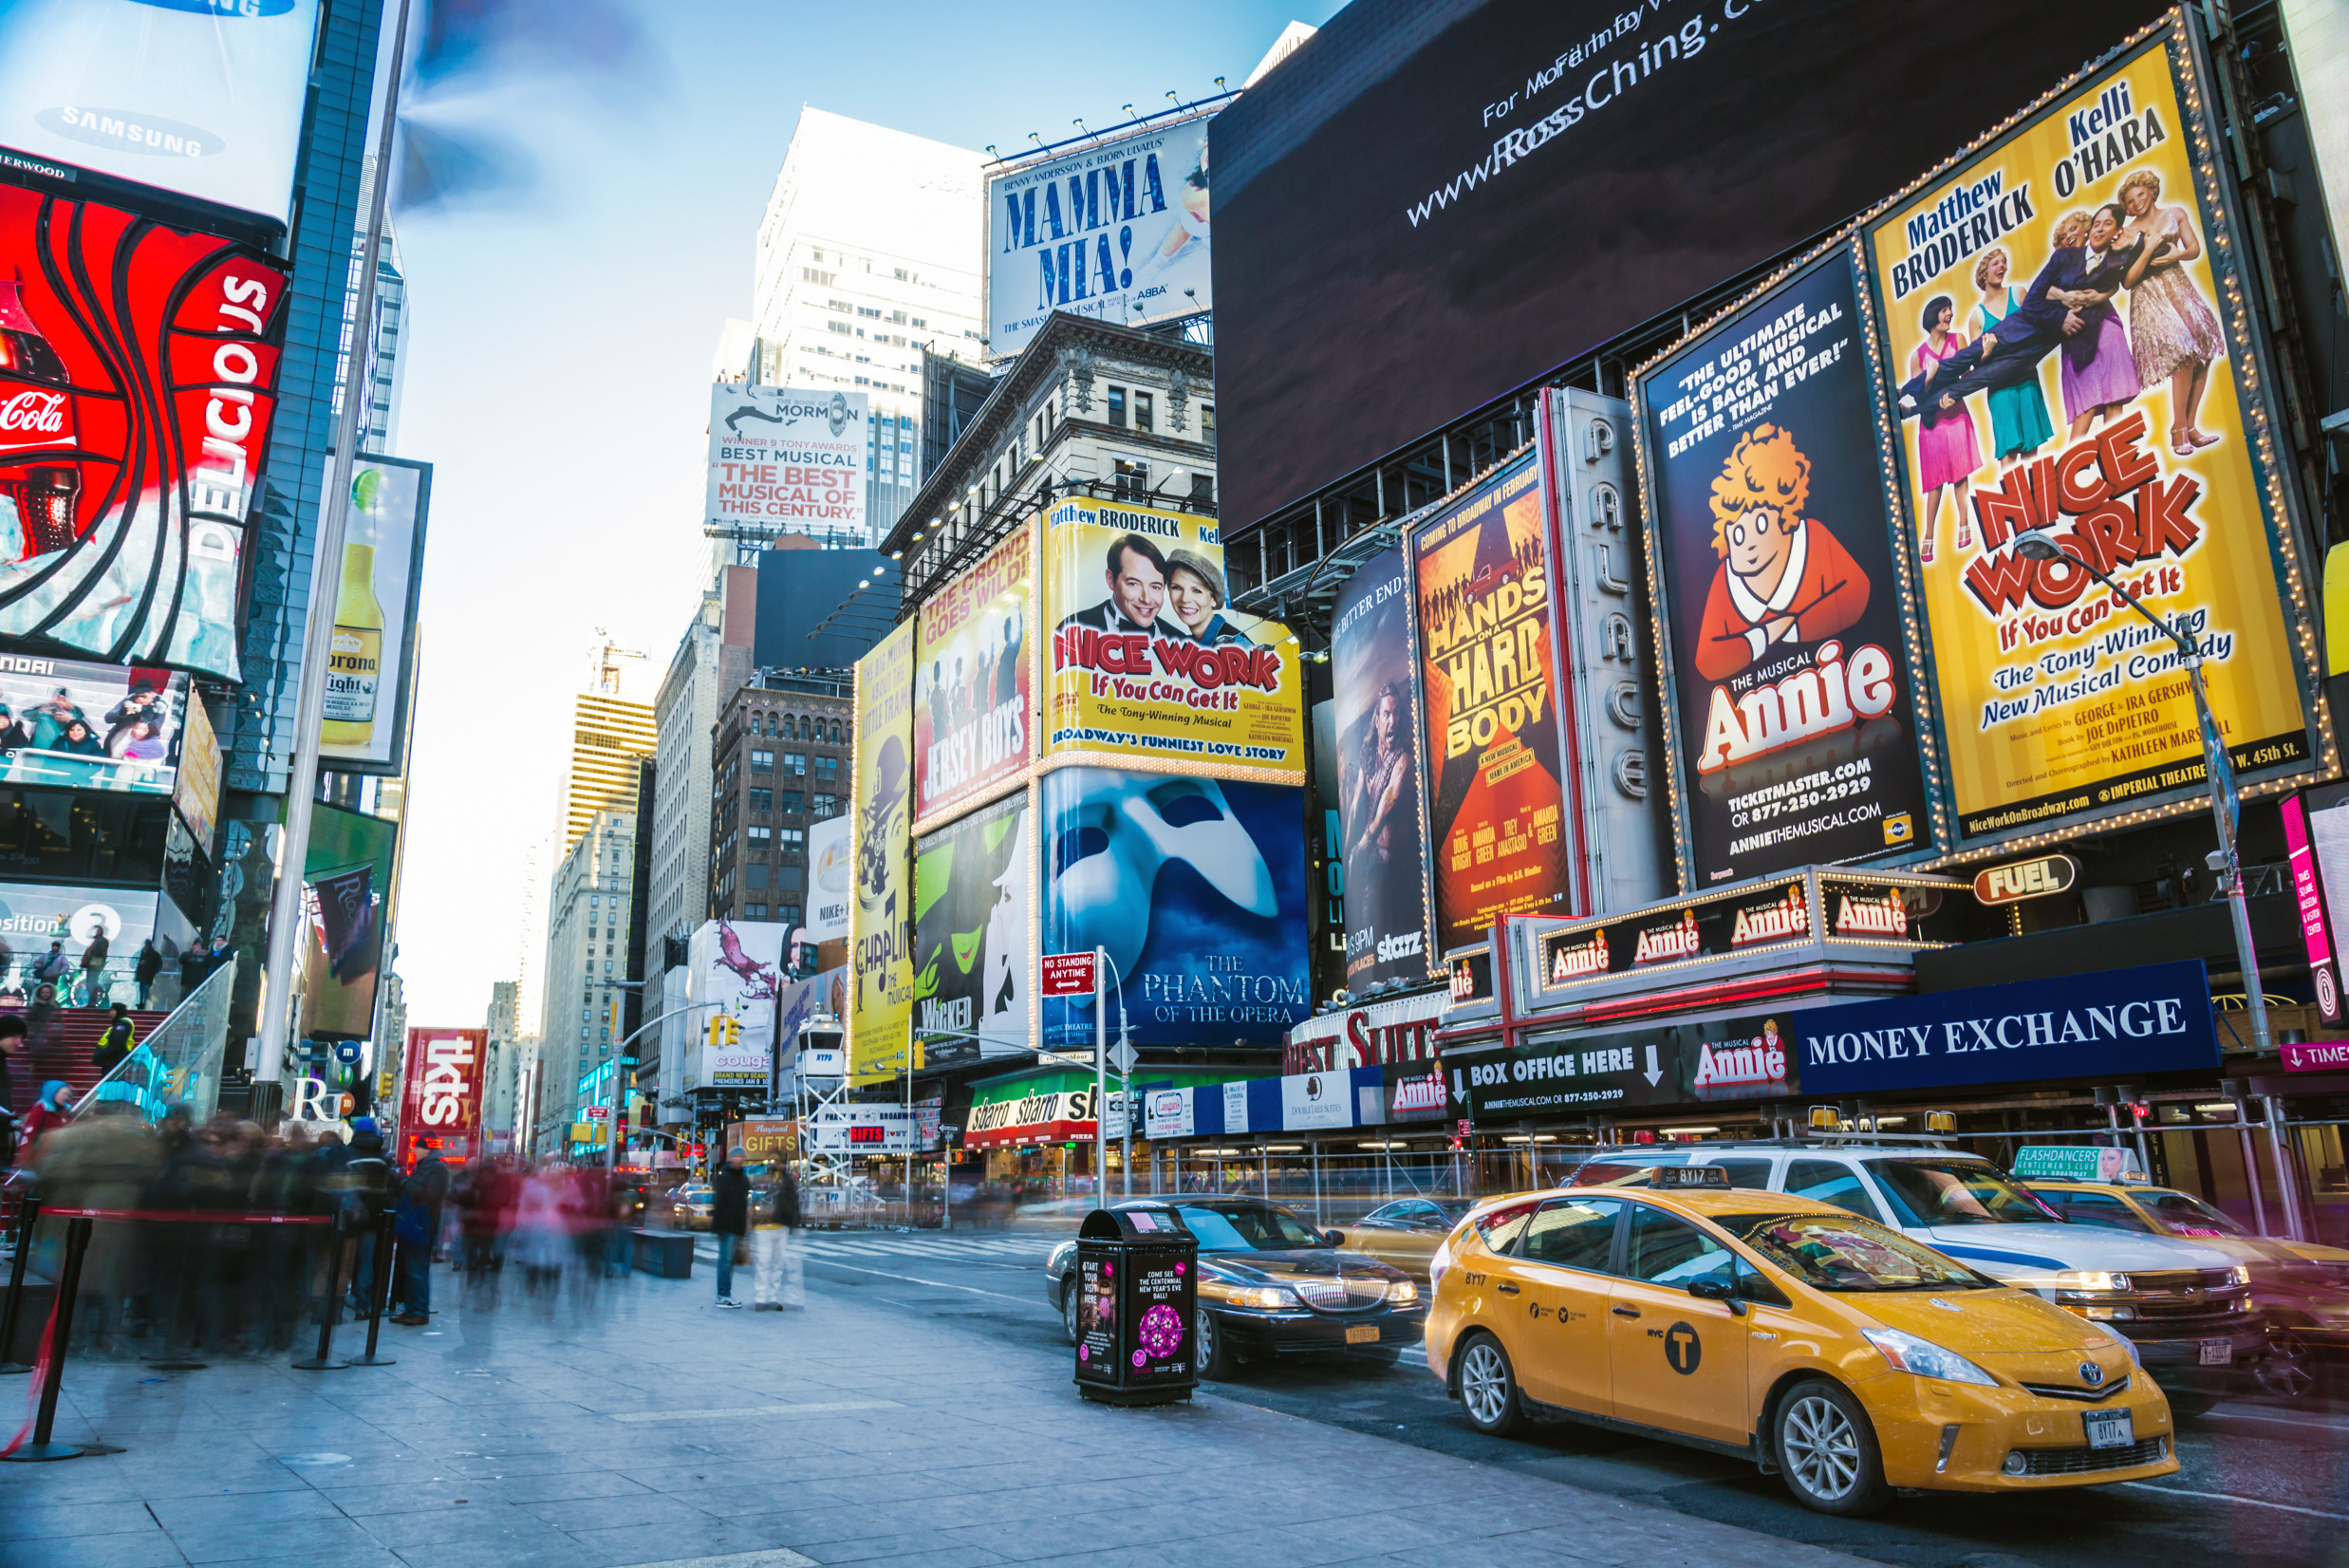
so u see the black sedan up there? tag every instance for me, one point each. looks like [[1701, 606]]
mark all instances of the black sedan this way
[[1270, 1284]]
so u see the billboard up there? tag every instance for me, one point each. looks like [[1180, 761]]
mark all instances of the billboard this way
[[1779, 608], [881, 929], [1749, 1057], [137, 379], [32, 915], [2093, 281], [798, 592], [738, 973], [1482, 588], [203, 100], [1431, 205], [1195, 886], [371, 660], [1146, 656], [197, 791], [974, 680], [73, 725], [346, 880], [831, 876], [784, 460], [1116, 232], [441, 1090], [1380, 800], [972, 972], [816, 1004]]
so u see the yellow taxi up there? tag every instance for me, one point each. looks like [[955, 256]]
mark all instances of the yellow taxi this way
[[1829, 1349]]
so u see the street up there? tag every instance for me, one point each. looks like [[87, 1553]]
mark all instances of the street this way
[[2262, 1483]]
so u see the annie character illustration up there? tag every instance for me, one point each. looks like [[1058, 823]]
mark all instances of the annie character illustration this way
[[1783, 579]]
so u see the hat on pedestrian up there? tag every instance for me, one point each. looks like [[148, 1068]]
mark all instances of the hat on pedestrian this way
[[736, 1153], [363, 1123]]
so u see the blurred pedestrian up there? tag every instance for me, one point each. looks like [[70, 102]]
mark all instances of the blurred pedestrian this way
[[54, 1109], [730, 1218], [418, 1222], [52, 965], [106, 1161], [94, 968], [541, 1244], [775, 1248], [37, 1012], [150, 966], [12, 1046]]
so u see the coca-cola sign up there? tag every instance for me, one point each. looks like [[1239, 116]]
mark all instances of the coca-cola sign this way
[[137, 381]]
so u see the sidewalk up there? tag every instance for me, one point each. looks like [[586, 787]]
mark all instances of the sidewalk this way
[[654, 1429]]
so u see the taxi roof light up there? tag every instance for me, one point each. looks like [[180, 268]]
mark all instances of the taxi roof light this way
[[1826, 1118], [1941, 1121], [1707, 1176]]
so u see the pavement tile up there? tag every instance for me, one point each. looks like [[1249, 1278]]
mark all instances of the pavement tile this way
[[628, 1511], [939, 1550], [152, 1549], [711, 1539], [300, 1540], [559, 1486], [235, 1511], [74, 1520]]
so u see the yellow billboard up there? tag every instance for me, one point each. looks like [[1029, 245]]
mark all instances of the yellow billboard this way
[[880, 919], [1147, 656], [2062, 322]]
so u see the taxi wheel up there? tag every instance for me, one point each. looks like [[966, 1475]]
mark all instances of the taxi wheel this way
[[1068, 1309], [2286, 1370], [1827, 1451], [1488, 1388]]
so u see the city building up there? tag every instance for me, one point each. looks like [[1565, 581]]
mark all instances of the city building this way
[[779, 762], [712, 660], [587, 931], [866, 257], [501, 1063], [610, 736], [391, 1029], [379, 429]]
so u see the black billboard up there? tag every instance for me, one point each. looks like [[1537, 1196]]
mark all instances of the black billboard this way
[[798, 591], [1433, 202], [1779, 605], [1378, 774]]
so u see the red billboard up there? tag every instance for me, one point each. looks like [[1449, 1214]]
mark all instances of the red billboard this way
[[440, 1083], [137, 379]]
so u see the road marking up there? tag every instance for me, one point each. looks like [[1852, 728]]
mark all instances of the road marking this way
[[776, 1556], [2230, 1497], [757, 1410], [935, 1284], [2225, 1412]]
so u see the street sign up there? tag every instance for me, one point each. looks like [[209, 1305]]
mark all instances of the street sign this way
[[1068, 973], [597, 1113], [2041, 878], [1123, 1056]]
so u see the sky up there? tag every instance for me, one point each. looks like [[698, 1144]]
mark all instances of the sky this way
[[559, 340]]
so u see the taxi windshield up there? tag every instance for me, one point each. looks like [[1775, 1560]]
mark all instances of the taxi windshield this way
[[1956, 1192], [1251, 1229], [1842, 1252], [2184, 1214]]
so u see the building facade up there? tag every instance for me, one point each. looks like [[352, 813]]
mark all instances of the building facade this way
[[610, 736], [866, 257], [713, 659], [502, 1063], [778, 764], [586, 935]]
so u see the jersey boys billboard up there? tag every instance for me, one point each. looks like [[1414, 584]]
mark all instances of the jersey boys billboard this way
[[1488, 675], [974, 686], [787, 461], [2057, 314], [1148, 659], [1779, 610], [137, 379]]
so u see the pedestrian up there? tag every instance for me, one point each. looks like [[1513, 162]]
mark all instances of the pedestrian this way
[[150, 966], [114, 1046], [94, 968], [37, 1012], [414, 1231], [730, 1215], [775, 1248], [13, 1045], [54, 1109], [191, 969], [52, 966]]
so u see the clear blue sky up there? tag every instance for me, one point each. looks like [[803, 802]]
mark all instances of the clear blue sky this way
[[559, 359]]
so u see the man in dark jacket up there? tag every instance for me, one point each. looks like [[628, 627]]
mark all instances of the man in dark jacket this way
[[150, 964], [414, 1232], [114, 1046], [730, 1217], [775, 1248]]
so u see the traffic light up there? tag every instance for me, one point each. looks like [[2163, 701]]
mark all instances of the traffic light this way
[[725, 1030]]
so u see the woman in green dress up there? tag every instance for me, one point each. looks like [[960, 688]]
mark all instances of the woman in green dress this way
[[2019, 422]]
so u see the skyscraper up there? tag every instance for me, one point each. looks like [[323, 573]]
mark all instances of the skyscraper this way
[[868, 254], [610, 736]]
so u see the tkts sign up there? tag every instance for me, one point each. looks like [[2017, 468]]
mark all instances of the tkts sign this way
[[137, 379], [441, 1093]]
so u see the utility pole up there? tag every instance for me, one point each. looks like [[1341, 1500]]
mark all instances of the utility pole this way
[[309, 711]]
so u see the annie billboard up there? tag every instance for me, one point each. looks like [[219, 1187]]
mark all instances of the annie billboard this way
[[1195, 888]]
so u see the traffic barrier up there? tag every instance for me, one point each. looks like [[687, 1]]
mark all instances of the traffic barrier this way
[[329, 1305], [378, 1292], [27, 1210], [51, 1370]]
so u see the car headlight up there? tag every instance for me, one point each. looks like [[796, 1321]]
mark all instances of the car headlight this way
[[1909, 1353], [2095, 1280], [1402, 1293], [2240, 1274], [1265, 1297]]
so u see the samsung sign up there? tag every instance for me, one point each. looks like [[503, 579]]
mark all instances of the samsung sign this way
[[2117, 1023]]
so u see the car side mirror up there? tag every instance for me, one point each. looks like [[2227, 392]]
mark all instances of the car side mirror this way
[[1711, 1289], [1335, 1237]]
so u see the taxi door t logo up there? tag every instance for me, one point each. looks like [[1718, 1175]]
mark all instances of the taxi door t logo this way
[[1682, 1349]]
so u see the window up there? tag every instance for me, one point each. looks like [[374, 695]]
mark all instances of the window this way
[[792, 800], [787, 914], [1146, 416], [827, 805], [1955, 1192], [1573, 1233], [793, 763], [789, 838], [919, 322], [1117, 406], [1826, 1182], [1665, 1249], [1207, 422], [2187, 1215], [811, 275], [840, 326], [1133, 481], [2096, 1209], [754, 911], [1203, 489], [761, 836], [755, 876], [762, 762], [763, 800], [828, 765], [873, 311]]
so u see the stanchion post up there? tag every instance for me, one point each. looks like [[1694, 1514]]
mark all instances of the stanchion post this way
[[330, 1304], [53, 1358], [28, 1211], [378, 1292]]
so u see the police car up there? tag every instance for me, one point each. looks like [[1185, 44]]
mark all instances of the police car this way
[[1829, 1349]]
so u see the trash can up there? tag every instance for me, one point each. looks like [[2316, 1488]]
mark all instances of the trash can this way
[[1137, 1284]]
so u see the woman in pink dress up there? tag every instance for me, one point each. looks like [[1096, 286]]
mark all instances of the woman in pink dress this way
[[2100, 375], [1947, 449], [2173, 330]]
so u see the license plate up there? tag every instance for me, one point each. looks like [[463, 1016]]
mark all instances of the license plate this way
[[2110, 1429], [2217, 1352], [1364, 1335]]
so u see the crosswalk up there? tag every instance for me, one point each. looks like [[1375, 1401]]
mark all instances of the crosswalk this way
[[952, 1246]]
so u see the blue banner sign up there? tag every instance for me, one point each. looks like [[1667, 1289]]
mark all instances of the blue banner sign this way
[[2119, 1024]]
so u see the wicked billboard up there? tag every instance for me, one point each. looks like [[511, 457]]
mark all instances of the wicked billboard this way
[[972, 974]]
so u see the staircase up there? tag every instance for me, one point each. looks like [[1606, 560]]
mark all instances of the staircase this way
[[65, 1050]]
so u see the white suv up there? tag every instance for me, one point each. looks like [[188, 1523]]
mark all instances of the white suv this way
[[2185, 1309]]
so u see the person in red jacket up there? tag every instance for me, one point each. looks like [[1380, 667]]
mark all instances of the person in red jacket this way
[[53, 1109], [1784, 581]]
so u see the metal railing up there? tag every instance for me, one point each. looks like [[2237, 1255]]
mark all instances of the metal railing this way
[[179, 1061]]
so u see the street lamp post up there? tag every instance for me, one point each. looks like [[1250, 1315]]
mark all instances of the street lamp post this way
[[2034, 545]]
